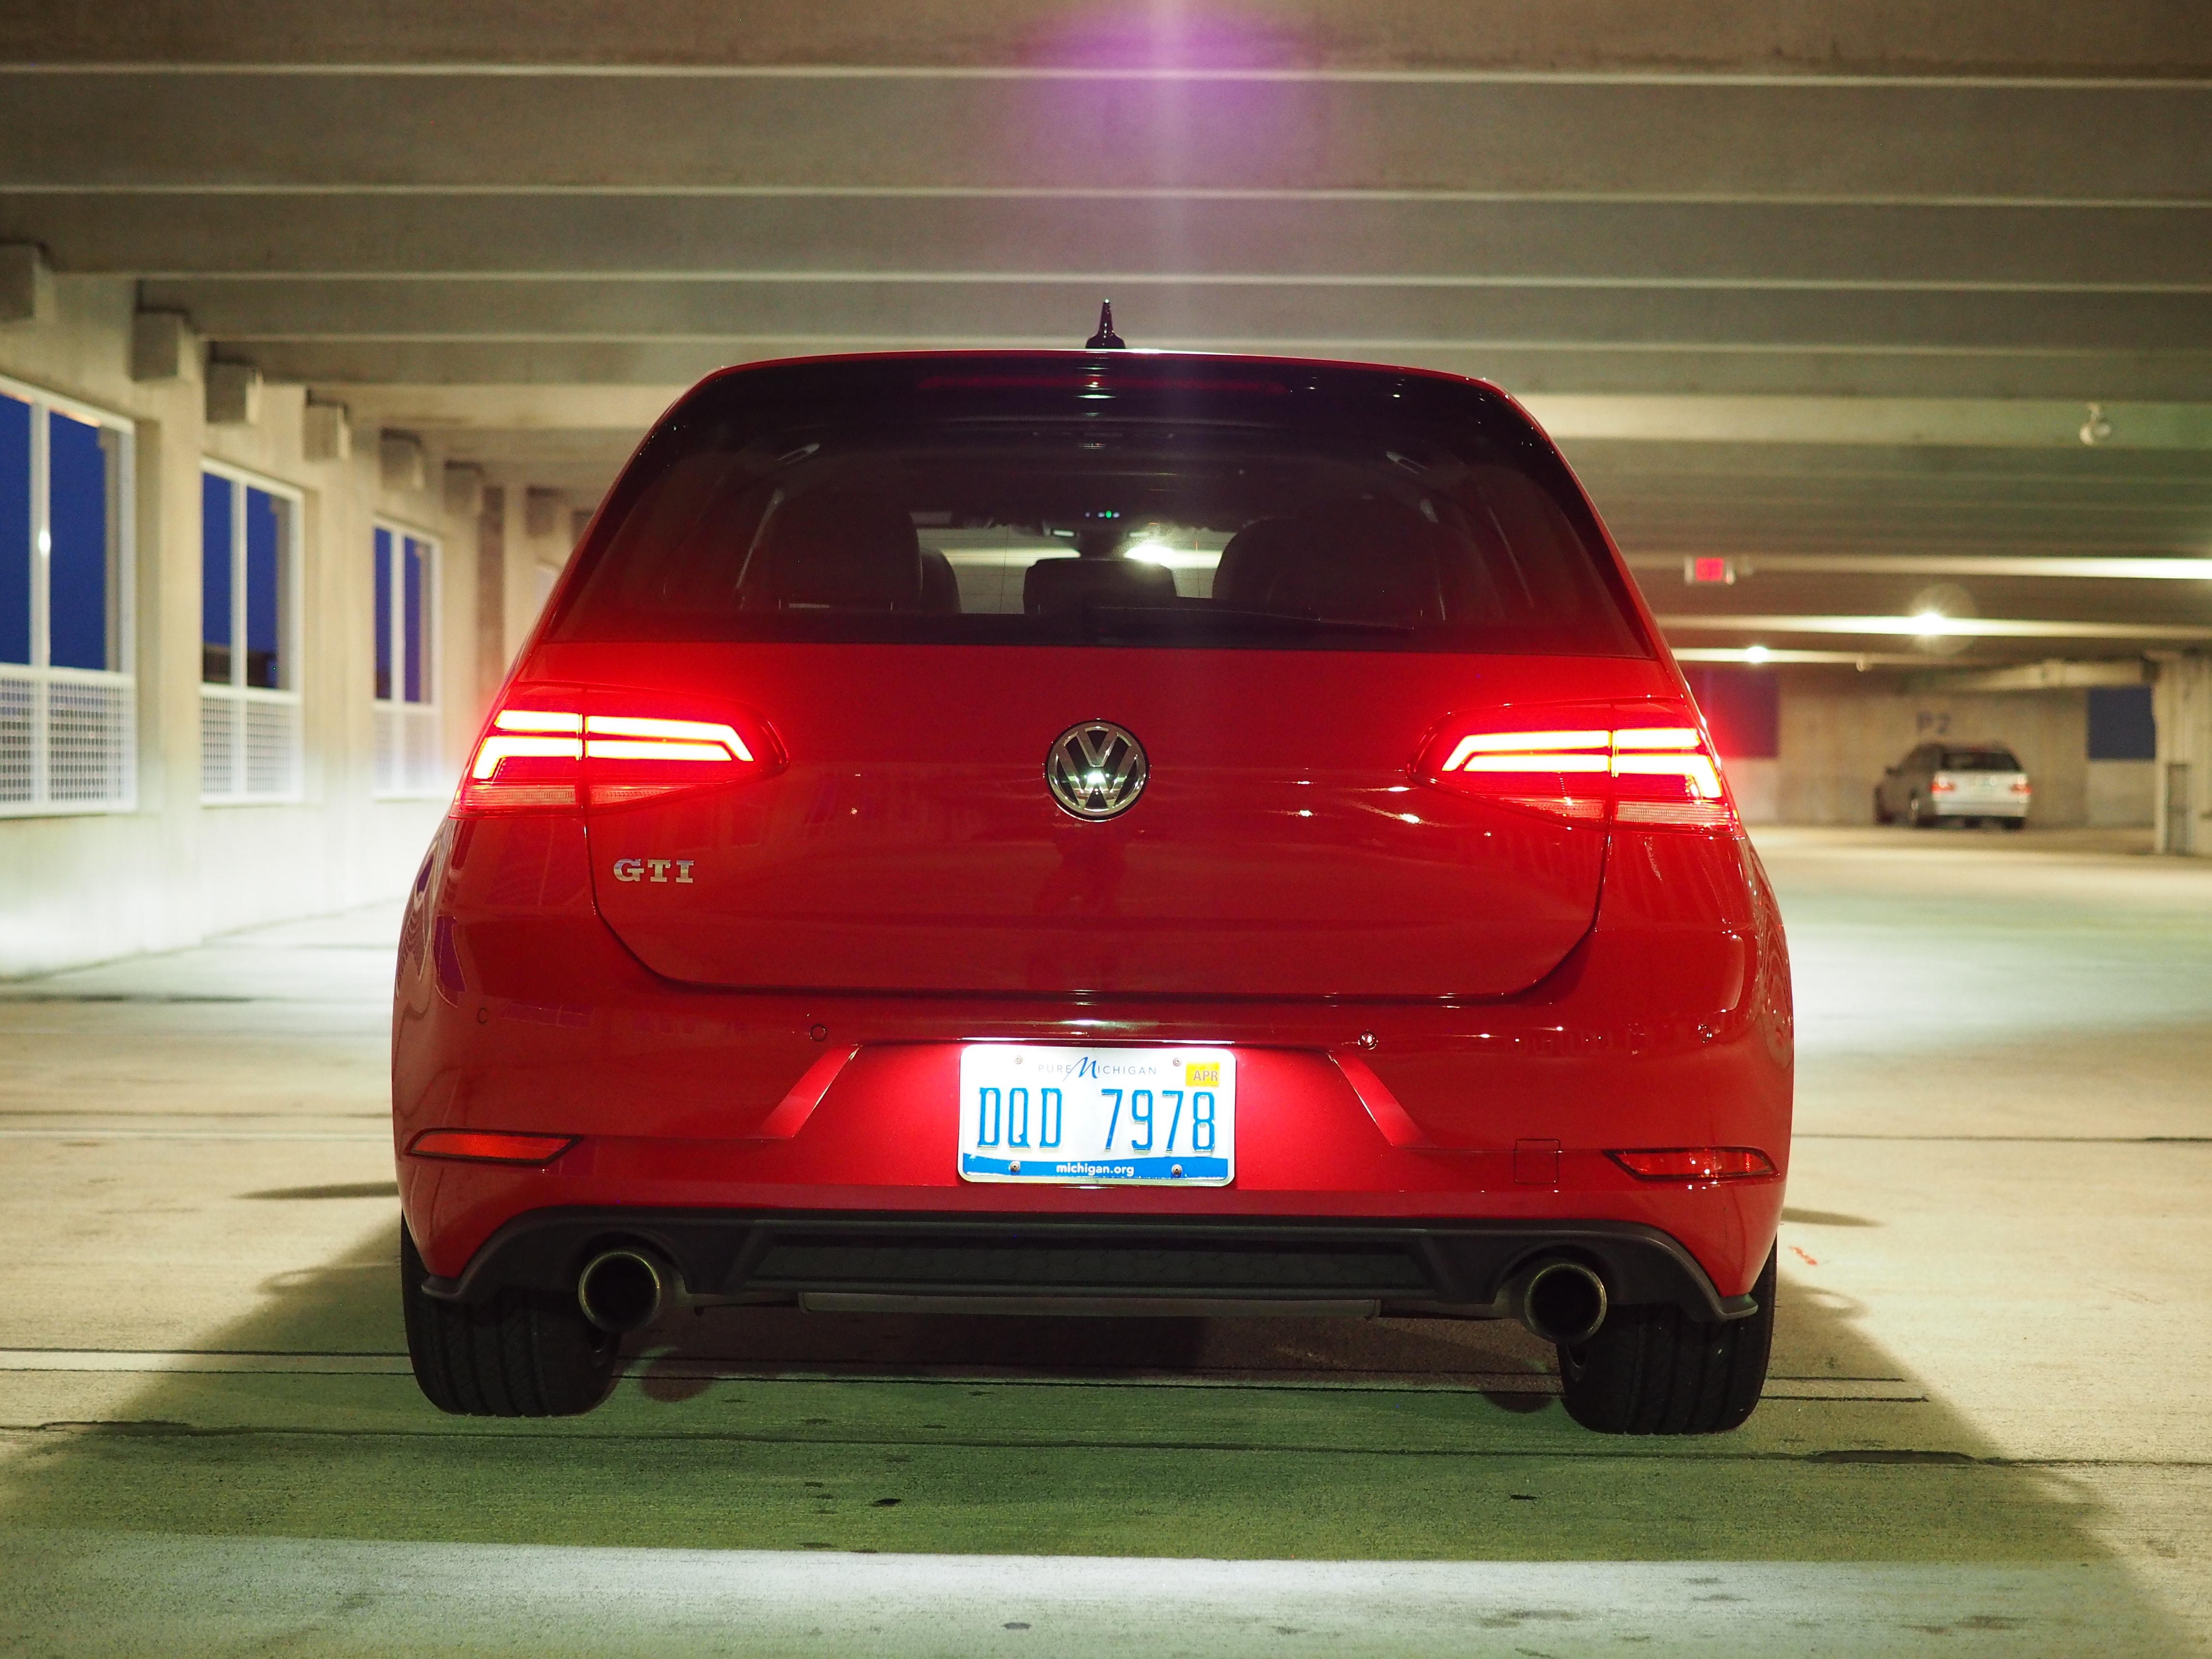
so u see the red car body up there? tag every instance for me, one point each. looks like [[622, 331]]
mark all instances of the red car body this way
[[1464, 1023]]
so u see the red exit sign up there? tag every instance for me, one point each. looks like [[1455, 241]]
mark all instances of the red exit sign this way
[[1698, 572]]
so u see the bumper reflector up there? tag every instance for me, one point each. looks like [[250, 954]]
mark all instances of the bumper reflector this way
[[489, 1146], [1696, 1164]]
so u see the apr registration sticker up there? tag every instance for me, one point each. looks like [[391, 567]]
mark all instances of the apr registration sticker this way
[[1097, 1117]]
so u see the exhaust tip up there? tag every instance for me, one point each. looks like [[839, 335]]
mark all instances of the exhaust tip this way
[[621, 1290], [1562, 1302]]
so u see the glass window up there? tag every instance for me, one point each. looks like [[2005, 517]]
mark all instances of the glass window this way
[[1334, 509], [81, 551], [250, 722], [68, 737], [216, 576], [14, 529], [409, 750], [384, 640]]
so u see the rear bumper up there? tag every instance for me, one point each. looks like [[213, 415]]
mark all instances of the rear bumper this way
[[1166, 1265], [2008, 807]]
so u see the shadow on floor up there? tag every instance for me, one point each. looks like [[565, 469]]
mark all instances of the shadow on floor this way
[[1307, 1439]]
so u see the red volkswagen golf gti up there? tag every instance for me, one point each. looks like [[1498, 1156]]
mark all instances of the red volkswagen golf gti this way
[[1095, 832]]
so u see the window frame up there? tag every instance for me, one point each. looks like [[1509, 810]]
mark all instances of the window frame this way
[[291, 623], [40, 674], [395, 715]]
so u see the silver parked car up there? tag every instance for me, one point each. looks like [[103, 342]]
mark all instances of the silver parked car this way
[[1975, 783]]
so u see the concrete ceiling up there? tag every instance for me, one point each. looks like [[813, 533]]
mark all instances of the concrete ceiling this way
[[1837, 276]]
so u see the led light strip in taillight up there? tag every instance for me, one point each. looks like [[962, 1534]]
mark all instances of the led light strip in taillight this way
[[536, 760], [525, 733], [1655, 774]]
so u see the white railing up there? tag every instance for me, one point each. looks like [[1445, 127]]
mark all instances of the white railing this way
[[249, 744], [68, 741], [409, 761]]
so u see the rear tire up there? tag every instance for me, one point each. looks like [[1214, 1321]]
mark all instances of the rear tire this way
[[1882, 814], [2014, 823], [1653, 1369], [520, 1354], [1919, 814]]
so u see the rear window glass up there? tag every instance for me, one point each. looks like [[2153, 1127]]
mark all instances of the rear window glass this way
[[1980, 760], [864, 503]]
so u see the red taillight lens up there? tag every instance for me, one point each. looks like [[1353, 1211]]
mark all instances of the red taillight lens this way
[[1696, 1164], [2019, 786], [537, 758], [1657, 776], [1941, 786], [489, 1146]]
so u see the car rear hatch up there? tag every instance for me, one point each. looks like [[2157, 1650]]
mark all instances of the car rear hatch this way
[[1279, 845], [898, 587]]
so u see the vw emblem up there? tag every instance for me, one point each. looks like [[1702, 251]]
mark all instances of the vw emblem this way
[[1095, 771]]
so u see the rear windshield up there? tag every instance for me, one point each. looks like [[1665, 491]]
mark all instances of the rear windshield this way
[[1979, 760], [873, 502]]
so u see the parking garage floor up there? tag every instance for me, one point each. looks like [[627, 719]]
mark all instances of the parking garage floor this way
[[1989, 1427]]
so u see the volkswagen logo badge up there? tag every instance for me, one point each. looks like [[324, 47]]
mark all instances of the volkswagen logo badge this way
[[1095, 771]]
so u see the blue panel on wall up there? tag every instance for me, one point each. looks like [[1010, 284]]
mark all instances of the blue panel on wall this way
[[216, 525], [263, 591], [2120, 723], [383, 616], [14, 529], [76, 563]]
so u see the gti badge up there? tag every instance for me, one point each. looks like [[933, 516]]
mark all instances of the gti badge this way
[[634, 870], [1095, 771]]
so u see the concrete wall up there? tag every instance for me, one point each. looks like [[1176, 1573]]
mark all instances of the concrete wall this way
[[85, 888], [1839, 734]]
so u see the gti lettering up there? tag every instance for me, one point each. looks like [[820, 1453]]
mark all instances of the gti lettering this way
[[660, 868], [635, 869], [629, 869], [684, 871]]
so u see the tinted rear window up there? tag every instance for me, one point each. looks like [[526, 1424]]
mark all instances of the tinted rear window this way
[[1980, 760], [1032, 502]]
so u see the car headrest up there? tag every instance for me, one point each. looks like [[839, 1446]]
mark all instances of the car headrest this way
[[940, 587], [1356, 560], [854, 552], [1064, 584]]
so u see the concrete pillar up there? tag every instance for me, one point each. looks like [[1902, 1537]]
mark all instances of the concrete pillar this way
[[2182, 701], [491, 592]]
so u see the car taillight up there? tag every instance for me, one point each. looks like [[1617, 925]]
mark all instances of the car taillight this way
[[540, 759], [2019, 786], [1940, 785], [1696, 1164], [1658, 775]]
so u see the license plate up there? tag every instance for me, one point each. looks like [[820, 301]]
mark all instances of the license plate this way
[[1097, 1117]]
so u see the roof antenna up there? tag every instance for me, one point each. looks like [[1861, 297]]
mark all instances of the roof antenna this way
[[1106, 339]]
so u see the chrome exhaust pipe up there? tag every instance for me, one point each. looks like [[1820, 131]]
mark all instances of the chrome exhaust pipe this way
[[622, 1290], [1560, 1301]]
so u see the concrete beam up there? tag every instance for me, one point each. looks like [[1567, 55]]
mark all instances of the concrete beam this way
[[1889, 37], [27, 283], [234, 394], [1257, 313], [1908, 564], [400, 462], [1821, 138], [325, 431], [843, 234], [1526, 369], [164, 347], [1976, 628], [2050, 675], [1959, 423]]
